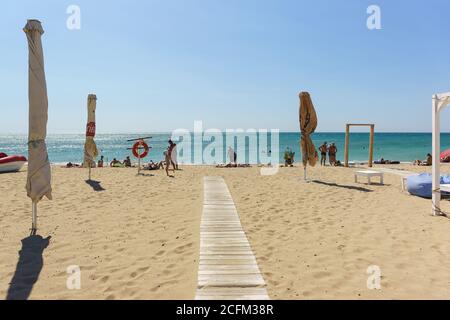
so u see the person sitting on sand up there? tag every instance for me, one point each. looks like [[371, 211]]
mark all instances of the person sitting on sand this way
[[154, 166], [428, 162], [332, 151], [72, 165], [127, 162], [115, 163], [100, 162], [289, 157], [323, 153], [382, 161]]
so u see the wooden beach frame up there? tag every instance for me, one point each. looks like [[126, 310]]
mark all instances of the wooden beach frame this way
[[347, 140]]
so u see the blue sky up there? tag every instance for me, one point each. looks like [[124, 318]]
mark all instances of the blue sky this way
[[160, 65]]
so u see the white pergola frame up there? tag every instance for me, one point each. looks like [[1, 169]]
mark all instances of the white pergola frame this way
[[440, 101]]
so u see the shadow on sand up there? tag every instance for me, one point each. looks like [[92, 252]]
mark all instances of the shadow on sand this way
[[342, 186], [95, 185], [28, 267], [146, 174]]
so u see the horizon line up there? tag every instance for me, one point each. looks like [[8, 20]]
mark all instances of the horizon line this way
[[191, 131]]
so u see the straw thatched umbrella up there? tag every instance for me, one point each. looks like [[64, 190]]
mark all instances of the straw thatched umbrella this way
[[39, 172], [90, 148], [308, 123]]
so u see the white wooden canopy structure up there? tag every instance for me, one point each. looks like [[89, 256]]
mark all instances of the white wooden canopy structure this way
[[440, 101]]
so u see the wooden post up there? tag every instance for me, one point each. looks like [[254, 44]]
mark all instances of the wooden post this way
[[347, 141], [372, 133], [139, 159]]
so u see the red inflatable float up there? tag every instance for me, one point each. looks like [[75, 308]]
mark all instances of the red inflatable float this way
[[11, 163], [140, 145], [445, 156]]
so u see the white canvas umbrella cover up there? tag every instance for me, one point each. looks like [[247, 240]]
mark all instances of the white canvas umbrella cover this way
[[440, 101], [90, 148], [39, 172]]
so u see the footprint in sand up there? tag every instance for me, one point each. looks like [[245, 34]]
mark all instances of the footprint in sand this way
[[181, 249]]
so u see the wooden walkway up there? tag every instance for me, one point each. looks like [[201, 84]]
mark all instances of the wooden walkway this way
[[227, 268]]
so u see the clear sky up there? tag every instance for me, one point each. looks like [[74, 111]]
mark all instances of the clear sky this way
[[157, 65]]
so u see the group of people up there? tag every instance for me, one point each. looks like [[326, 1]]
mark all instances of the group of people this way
[[331, 150], [170, 159], [115, 163]]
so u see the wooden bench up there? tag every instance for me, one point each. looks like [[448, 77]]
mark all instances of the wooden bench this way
[[369, 174]]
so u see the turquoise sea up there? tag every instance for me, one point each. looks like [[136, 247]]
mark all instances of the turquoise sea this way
[[393, 146]]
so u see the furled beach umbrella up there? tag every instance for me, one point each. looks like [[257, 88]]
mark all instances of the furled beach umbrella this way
[[308, 123], [90, 148], [39, 172]]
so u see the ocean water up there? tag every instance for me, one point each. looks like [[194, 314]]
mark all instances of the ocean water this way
[[63, 148]]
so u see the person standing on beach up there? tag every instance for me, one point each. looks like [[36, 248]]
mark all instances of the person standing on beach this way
[[167, 161], [332, 151], [232, 155], [169, 158], [323, 153], [174, 156]]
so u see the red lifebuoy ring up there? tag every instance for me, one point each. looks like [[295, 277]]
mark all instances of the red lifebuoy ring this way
[[137, 146]]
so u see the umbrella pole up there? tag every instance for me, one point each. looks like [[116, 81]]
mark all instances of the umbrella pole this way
[[34, 217], [139, 161], [304, 172], [89, 171]]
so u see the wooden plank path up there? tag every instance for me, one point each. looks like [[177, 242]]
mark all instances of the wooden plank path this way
[[227, 267]]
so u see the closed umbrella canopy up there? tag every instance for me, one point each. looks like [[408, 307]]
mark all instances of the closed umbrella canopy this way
[[308, 123], [90, 148], [39, 172]]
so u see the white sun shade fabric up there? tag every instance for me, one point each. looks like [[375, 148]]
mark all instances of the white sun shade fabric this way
[[90, 148], [39, 172]]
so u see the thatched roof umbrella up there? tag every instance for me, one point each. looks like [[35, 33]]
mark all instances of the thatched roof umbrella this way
[[308, 124]]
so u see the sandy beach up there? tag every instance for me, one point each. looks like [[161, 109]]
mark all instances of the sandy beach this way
[[137, 237]]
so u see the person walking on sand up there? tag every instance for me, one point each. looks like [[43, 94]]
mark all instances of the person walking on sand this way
[[323, 153], [332, 151]]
